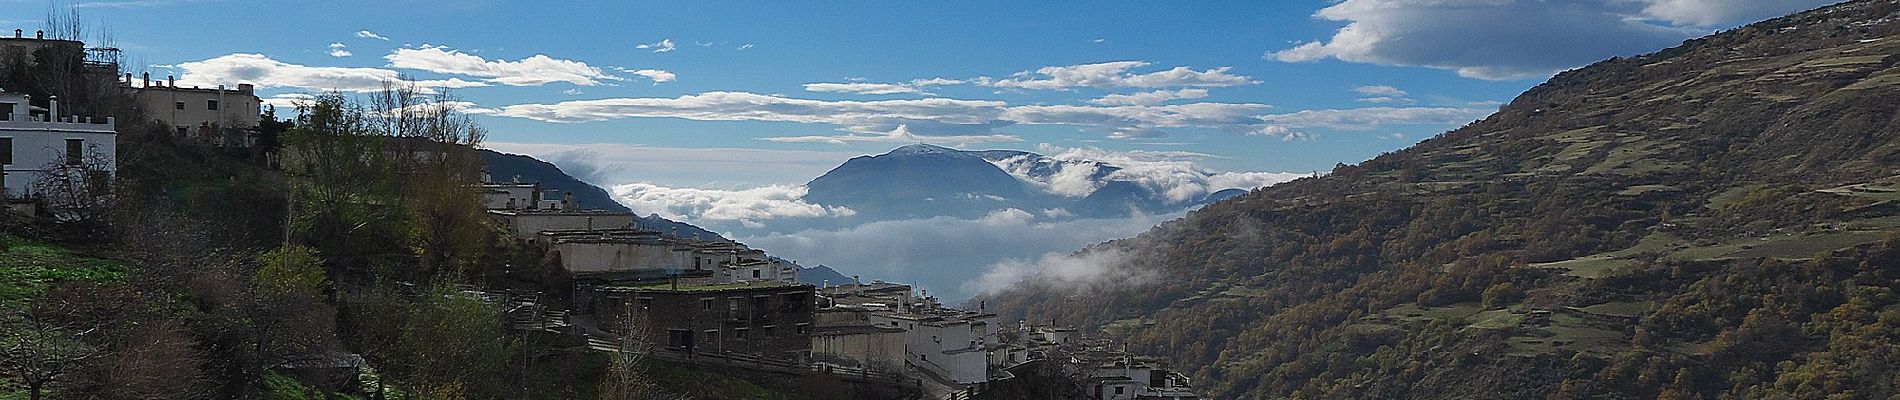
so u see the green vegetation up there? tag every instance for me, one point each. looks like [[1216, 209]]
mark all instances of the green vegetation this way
[[28, 267]]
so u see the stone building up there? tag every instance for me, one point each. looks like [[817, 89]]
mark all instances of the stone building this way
[[220, 116], [768, 319]]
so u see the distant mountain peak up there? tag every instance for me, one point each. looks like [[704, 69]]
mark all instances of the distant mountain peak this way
[[921, 148]]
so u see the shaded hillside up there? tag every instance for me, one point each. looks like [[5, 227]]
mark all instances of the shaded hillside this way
[[919, 181], [505, 167], [1712, 220]]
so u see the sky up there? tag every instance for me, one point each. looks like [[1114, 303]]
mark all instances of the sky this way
[[743, 102]]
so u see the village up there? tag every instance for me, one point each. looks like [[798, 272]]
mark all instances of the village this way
[[699, 301]]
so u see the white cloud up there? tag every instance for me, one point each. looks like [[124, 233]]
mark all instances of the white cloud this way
[[658, 76], [748, 205], [934, 253], [1116, 74], [339, 50], [915, 86], [265, 72], [286, 101], [1359, 119], [1094, 269], [1150, 98], [1125, 122], [1171, 173], [1507, 39], [1724, 12], [944, 116], [370, 35], [532, 71], [662, 46], [745, 46], [1380, 90]]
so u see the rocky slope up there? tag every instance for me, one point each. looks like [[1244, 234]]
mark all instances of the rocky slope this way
[[1712, 220]]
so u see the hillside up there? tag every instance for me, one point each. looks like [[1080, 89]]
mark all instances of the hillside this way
[[1712, 220], [504, 166]]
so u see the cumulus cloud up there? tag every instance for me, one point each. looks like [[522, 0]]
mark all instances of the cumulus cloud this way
[[662, 46], [265, 72], [934, 252], [1080, 171], [370, 35], [339, 50], [532, 71], [1116, 74], [1509, 39], [658, 76], [913, 87], [1150, 98], [748, 206], [1127, 122]]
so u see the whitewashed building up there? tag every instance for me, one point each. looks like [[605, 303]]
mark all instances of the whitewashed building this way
[[221, 115], [36, 141]]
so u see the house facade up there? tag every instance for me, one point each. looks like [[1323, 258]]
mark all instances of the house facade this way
[[35, 142], [765, 319]]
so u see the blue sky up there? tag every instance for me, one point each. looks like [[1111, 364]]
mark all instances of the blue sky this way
[[774, 49]]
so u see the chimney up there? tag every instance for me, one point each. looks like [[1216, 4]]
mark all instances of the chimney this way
[[171, 80], [52, 108], [485, 177], [128, 79], [567, 201], [39, 34], [145, 79], [246, 88], [16, 33]]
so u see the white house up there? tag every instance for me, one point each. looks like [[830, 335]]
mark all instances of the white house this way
[[33, 142]]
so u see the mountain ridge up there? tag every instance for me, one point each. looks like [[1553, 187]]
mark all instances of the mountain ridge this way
[[1570, 245]]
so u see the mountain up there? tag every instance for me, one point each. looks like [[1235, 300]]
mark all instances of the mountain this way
[[921, 180], [504, 167], [918, 181], [822, 275], [1714, 220]]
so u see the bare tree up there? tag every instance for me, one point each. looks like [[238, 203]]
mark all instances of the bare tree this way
[[40, 352], [626, 374], [77, 188]]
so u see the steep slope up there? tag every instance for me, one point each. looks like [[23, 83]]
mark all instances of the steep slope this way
[[504, 166], [1711, 220]]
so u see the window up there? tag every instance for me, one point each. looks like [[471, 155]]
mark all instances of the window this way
[[755, 273], [75, 151], [732, 304], [211, 105], [179, 105], [6, 150], [706, 303], [712, 335], [182, 131], [645, 303], [801, 329], [769, 330], [1118, 390], [739, 334]]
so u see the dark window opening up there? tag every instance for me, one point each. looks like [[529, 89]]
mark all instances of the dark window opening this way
[[75, 151], [211, 105], [6, 150], [179, 105]]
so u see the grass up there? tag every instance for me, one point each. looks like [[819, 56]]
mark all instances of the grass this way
[[1410, 312], [1496, 319], [1867, 190], [27, 267], [1587, 267], [1620, 309], [1806, 246]]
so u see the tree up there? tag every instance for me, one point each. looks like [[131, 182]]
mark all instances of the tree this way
[[78, 188], [626, 375], [40, 352]]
